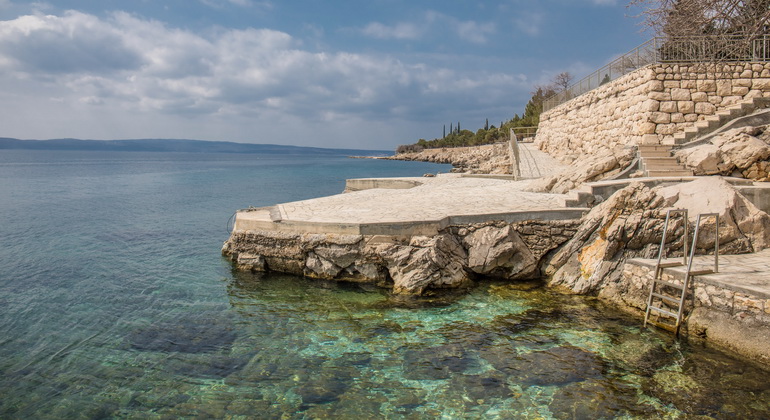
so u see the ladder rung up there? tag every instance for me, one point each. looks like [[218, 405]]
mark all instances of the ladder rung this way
[[664, 297], [701, 271], [665, 312], [667, 284], [670, 264]]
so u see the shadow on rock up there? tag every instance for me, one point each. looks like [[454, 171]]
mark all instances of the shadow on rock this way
[[438, 362], [555, 366], [195, 335], [598, 400]]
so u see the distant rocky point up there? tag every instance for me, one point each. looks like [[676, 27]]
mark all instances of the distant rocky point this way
[[175, 145]]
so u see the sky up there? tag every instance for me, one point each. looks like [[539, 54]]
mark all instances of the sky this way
[[360, 74]]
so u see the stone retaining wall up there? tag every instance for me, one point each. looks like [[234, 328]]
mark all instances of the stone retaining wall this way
[[649, 105], [729, 318]]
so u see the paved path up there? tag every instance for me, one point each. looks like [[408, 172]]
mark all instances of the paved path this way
[[536, 163]]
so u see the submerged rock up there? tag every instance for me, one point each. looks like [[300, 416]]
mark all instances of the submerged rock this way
[[434, 363], [198, 335], [593, 399], [556, 366]]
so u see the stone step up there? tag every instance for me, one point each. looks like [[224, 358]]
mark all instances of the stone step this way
[[712, 123], [665, 173], [662, 160], [660, 154], [653, 147], [672, 167]]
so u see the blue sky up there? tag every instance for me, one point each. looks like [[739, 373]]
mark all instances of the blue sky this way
[[355, 74]]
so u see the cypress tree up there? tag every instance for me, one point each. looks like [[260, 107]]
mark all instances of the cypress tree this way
[[444, 136], [486, 125]]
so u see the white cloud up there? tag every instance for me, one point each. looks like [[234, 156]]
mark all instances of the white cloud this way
[[140, 75], [432, 21], [397, 31], [475, 32], [529, 22]]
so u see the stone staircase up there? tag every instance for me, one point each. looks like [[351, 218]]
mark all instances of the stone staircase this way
[[656, 161], [716, 121]]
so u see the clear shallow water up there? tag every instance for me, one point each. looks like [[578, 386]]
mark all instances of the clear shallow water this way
[[116, 304]]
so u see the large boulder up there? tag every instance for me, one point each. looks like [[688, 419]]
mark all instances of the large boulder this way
[[630, 224], [602, 165], [435, 262], [743, 152], [500, 252]]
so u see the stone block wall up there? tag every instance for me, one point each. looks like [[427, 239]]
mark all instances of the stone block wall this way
[[649, 105], [733, 303], [730, 319]]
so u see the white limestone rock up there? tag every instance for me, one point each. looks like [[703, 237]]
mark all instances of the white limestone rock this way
[[630, 223], [501, 253], [744, 151], [435, 262]]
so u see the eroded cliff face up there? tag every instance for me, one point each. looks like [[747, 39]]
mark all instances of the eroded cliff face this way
[[486, 159], [450, 259], [630, 224]]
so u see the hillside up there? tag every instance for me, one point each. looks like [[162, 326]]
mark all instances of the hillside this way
[[175, 145]]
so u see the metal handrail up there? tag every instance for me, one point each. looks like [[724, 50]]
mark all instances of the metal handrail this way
[[661, 252], [695, 241], [692, 49]]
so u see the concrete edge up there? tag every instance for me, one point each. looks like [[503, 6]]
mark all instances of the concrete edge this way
[[703, 279], [411, 227]]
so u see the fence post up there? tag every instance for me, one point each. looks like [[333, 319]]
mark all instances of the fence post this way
[[513, 150]]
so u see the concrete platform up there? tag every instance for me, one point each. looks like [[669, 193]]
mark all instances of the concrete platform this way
[[745, 273], [391, 207]]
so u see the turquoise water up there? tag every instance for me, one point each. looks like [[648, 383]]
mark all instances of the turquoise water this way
[[116, 303]]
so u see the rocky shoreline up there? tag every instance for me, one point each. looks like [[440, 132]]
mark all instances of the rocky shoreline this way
[[486, 159], [407, 265]]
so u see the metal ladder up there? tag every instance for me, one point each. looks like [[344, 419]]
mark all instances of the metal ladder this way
[[680, 290]]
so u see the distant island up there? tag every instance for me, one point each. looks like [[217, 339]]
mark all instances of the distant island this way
[[177, 145]]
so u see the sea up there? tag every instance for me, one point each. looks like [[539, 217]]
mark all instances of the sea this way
[[115, 302]]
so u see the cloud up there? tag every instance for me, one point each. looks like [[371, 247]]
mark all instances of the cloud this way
[[136, 69], [221, 4], [397, 31], [529, 22], [474, 32], [431, 22]]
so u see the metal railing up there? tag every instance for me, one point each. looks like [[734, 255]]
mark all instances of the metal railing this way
[[525, 132], [695, 49]]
